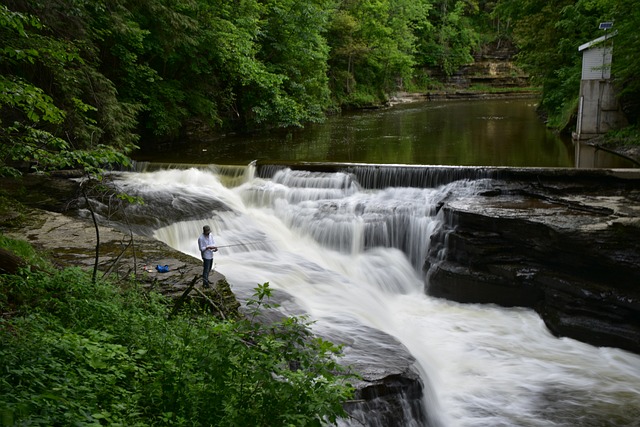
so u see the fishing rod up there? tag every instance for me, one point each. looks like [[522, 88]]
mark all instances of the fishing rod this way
[[244, 243]]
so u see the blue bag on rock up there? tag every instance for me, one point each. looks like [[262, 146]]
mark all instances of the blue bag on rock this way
[[162, 268]]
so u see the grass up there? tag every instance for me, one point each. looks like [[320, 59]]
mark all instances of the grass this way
[[629, 135]]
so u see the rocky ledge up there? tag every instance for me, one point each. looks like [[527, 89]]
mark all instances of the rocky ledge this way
[[70, 241], [569, 250]]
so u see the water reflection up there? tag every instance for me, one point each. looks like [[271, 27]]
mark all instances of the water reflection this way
[[458, 133], [588, 156]]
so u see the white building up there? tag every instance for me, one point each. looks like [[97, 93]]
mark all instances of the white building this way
[[598, 109]]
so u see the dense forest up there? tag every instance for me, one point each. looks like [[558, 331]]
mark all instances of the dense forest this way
[[85, 82]]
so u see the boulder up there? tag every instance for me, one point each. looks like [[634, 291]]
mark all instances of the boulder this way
[[389, 391]]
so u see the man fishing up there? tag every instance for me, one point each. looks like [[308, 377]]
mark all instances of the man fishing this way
[[207, 247]]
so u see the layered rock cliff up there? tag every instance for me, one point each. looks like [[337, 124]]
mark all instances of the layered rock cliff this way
[[569, 250]]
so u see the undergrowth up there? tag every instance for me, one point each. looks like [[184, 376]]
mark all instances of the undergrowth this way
[[629, 135], [77, 353]]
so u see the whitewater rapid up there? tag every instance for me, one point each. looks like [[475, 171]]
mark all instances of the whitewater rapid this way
[[350, 256]]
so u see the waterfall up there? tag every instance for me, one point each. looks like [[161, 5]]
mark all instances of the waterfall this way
[[385, 176], [351, 256]]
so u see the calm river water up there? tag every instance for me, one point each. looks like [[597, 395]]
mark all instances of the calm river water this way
[[465, 133]]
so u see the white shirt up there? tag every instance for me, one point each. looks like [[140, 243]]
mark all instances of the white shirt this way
[[203, 241]]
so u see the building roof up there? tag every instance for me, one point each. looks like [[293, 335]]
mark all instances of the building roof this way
[[596, 41]]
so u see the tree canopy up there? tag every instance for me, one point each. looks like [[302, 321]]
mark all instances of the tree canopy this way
[[548, 35], [81, 83]]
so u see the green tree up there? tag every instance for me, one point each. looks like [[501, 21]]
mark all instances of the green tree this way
[[159, 54], [294, 50], [451, 36], [56, 110], [372, 48], [23, 106], [246, 63], [548, 35], [626, 51]]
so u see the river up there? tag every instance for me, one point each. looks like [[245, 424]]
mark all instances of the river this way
[[349, 257], [334, 247], [500, 132]]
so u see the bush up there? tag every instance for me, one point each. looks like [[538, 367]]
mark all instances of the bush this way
[[77, 353]]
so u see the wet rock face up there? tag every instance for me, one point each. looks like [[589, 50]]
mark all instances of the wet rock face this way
[[389, 390], [572, 254]]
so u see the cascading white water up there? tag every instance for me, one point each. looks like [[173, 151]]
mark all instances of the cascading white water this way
[[352, 257]]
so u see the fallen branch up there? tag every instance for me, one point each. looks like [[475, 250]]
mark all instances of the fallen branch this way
[[211, 303], [95, 225], [183, 297], [113, 264]]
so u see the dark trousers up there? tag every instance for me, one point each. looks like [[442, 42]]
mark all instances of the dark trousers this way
[[206, 268]]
